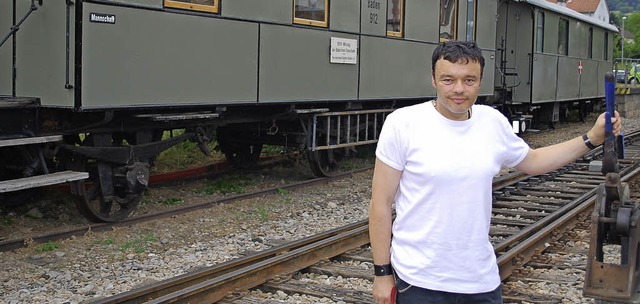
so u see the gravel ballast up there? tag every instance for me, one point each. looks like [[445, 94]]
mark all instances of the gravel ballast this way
[[102, 264]]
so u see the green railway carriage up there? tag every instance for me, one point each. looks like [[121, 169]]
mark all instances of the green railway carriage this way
[[88, 86], [554, 58]]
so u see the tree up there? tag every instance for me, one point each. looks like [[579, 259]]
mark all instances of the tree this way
[[631, 44]]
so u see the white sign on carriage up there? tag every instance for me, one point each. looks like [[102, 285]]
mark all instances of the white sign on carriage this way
[[344, 50]]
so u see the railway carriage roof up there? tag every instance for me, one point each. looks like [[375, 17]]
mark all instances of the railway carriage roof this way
[[569, 12]]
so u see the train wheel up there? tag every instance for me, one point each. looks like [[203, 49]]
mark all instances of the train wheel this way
[[241, 155], [125, 194], [92, 204], [123, 186], [327, 162], [583, 111]]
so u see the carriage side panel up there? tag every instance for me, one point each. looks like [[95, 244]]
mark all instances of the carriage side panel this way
[[343, 15], [568, 78], [295, 65], [5, 50], [486, 24], [568, 75], [41, 53], [545, 77], [143, 3], [603, 68], [373, 17], [602, 42], [393, 68], [133, 62], [578, 38], [551, 32], [421, 21], [279, 11], [488, 74], [589, 79]]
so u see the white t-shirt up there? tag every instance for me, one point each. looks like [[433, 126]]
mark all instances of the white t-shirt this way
[[443, 204]]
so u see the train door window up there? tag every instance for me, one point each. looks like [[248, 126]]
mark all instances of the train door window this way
[[395, 16], [563, 37], [540, 33], [590, 47], [310, 12], [195, 5], [448, 14], [471, 20]]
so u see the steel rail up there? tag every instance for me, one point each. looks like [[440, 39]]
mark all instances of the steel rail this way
[[213, 283], [564, 218], [98, 227], [547, 220]]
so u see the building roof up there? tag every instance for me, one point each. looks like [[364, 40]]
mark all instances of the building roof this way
[[581, 6], [569, 12]]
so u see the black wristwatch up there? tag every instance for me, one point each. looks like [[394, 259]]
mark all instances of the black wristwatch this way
[[382, 270], [587, 142]]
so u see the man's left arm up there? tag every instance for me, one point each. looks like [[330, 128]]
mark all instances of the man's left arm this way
[[546, 159]]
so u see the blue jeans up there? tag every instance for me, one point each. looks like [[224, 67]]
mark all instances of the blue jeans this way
[[408, 294]]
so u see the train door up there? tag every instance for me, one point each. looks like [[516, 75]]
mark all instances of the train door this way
[[514, 42]]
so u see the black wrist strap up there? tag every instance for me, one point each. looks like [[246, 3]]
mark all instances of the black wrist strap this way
[[382, 270], [587, 142]]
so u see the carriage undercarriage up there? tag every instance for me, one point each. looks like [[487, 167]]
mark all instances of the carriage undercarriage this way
[[109, 168]]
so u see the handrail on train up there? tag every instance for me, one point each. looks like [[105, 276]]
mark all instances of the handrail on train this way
[[16, 27]]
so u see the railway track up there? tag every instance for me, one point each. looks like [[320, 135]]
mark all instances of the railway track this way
[[98, 227], [170, 179], [530, 217]]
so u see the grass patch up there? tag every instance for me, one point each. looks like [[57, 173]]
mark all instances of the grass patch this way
[[228, 185], [183, 155], [48, 246], [172, 201], [285, 195], [138, 245], [263, 214], [107, 241], [271, 150]]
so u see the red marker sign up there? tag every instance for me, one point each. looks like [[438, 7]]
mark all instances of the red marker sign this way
[[580, 67]]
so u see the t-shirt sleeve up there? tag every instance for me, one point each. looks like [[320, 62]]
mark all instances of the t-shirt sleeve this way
[[389, 149]]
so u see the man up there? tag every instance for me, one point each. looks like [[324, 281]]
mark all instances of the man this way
[[436, 161]]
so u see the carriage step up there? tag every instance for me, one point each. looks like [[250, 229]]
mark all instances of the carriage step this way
[[41, 180], [18, 102], [177, 117], [29, 140]]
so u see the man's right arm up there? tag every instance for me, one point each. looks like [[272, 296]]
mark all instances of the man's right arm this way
[[384, 186]]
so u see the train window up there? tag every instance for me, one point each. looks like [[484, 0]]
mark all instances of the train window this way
[[448, 19], [196, 5], [471, 20], [590, 46], [395, 14], [310, 12], [540, 33], [563, 37], [606, 46]]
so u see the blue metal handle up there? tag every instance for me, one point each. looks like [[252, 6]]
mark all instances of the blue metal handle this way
[[610, 99], [610, 158]]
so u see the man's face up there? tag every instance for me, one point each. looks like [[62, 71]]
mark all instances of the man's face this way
[[457, 85]]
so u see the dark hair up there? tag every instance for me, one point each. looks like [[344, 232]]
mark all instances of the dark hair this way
[[455, 51]]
